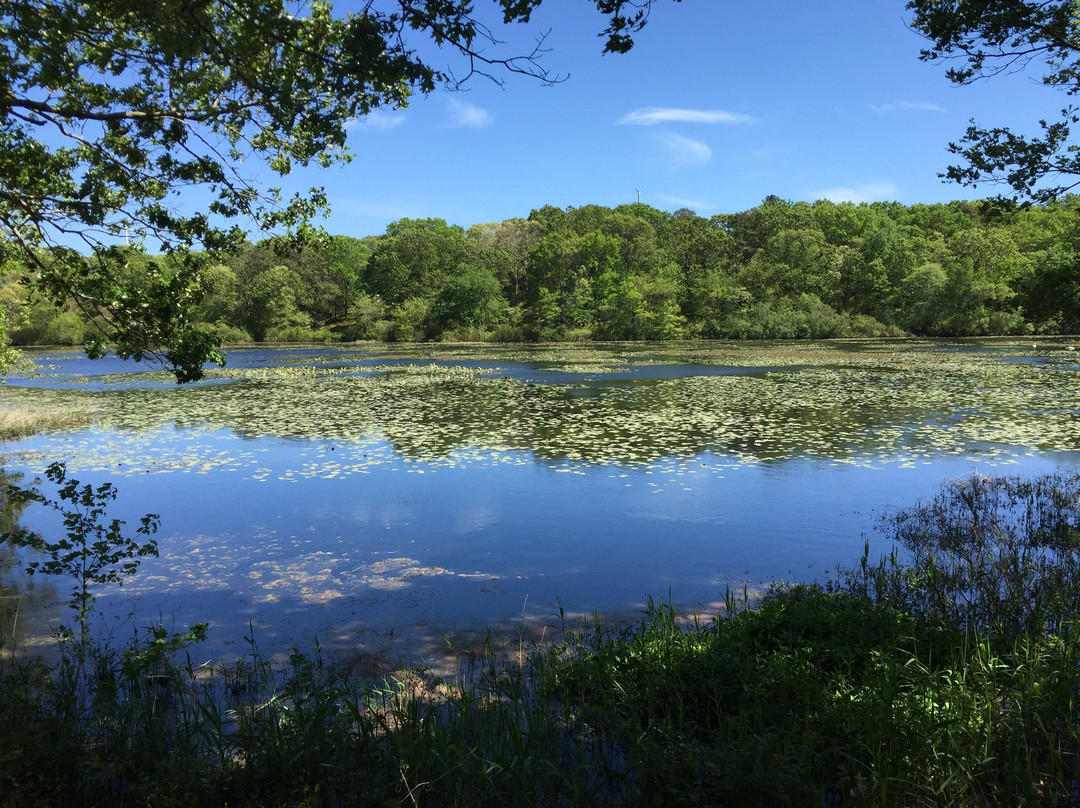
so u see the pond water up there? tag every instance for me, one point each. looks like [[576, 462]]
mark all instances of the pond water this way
[[389, 498]]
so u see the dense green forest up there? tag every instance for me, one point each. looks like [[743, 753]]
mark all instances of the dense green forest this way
[[780, 270]]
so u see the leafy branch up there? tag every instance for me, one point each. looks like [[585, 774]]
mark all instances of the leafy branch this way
[[983, 39]]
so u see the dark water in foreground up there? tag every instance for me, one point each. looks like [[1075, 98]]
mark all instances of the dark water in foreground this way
[[359, 495]]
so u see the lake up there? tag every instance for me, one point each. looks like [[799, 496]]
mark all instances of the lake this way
[[395, 498]]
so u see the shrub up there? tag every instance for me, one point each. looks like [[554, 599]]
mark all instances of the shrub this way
[[226, 334]]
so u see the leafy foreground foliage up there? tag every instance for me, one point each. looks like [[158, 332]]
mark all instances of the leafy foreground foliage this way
[[897, 683]]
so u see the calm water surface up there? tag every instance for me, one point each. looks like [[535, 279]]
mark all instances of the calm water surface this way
[[370, 495]]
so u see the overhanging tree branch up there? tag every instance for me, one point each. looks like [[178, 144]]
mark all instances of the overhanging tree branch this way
[[989, 38]]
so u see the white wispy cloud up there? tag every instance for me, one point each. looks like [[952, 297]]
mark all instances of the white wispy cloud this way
[[684, 151], [650, 116], [377, 120], [868, 192], [893, 106], [377, 209], [676, 202], [462, 113]]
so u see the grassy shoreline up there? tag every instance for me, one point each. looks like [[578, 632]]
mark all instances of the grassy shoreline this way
[[815, 697]]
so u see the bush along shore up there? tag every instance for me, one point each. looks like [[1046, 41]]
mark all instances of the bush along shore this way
[[944, 674]]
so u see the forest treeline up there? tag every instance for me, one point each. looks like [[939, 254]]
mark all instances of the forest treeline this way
[[780, 270]]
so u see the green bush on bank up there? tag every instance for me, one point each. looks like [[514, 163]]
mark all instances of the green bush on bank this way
[[947, 674]]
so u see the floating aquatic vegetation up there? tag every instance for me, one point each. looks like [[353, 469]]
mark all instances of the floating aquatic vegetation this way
[[869, 404]]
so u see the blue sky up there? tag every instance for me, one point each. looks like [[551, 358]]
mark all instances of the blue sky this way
[[719, 104]]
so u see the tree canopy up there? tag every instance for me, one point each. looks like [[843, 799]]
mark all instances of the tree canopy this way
[[110, 110], [778, 271], [986, 38]]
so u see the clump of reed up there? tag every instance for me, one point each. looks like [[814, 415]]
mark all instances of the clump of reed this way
[[816, 696], [19, 422]]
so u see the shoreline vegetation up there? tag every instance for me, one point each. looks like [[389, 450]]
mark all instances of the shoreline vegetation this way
[[945, 674], [891, 684]]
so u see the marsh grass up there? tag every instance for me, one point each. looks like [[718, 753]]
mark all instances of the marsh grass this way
[[17, 422], [816, 693], [299, 732], [997, 554], [811, 696], [891, 685]]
